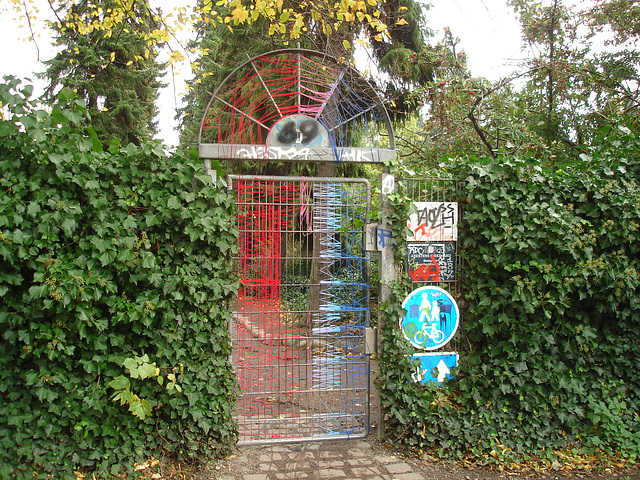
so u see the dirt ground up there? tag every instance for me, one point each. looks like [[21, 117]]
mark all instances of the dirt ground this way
[[243, 465], [443, 470]]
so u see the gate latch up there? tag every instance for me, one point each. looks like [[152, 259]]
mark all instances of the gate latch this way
[[370, 341]]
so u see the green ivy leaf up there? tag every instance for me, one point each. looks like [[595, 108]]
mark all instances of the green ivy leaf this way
[[120, 383]]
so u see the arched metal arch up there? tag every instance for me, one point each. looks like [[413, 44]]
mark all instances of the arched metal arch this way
[[296, 105]]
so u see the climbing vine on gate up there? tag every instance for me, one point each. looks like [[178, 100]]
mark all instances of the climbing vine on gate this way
[[551, 335], [115, 281]]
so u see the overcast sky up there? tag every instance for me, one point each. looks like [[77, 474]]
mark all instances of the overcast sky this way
[[488, 31]]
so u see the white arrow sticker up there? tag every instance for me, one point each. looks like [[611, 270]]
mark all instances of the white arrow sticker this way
[[443, 371]]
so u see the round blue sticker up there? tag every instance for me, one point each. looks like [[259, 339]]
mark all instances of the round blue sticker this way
[[432, 318]]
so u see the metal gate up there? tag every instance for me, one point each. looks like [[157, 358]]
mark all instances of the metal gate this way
[[300, 324]]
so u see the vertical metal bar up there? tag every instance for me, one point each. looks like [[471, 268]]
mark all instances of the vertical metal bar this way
[[299, 82]]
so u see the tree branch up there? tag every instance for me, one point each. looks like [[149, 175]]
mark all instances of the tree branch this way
[[480, 132], [33, 38]]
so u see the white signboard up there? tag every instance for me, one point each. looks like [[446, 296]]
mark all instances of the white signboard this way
[[433, 222]]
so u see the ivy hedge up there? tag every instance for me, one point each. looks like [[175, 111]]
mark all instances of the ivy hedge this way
[[549, 364], [114, 283]]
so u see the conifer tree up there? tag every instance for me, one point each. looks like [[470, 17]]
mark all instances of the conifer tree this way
[[218, 53], [219, 50], [109, 61]]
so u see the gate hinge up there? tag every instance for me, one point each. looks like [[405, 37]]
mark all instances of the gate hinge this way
[[370, 341]]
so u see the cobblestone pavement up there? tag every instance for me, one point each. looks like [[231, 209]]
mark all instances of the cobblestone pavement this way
[[353, 459]]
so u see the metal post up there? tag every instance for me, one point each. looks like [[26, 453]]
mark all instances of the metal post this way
[[388, 267]]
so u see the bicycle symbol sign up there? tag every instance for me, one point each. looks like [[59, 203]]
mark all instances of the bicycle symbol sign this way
[[432, 318]]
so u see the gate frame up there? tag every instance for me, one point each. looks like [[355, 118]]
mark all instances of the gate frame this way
[[368, 338], [386, 262]]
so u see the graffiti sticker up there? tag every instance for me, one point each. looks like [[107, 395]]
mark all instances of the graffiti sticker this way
[[431, 261], [433, 222]]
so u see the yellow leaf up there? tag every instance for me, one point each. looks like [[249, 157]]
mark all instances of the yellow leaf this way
[[176, 57], [112, 56], [378, 37], [130, 62], [402, 21], [346, 44], [239, 15], [373, 3]]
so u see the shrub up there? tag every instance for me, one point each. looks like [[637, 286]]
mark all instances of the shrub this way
[[115, 283], [551, 335]]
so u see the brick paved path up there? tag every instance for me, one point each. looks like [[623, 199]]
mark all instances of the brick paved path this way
[[343, 460]]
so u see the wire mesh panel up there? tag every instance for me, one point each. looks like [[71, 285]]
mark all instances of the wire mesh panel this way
[[298, 328], [438, 197]]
